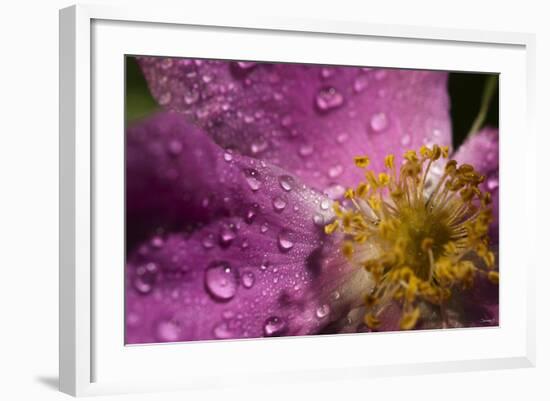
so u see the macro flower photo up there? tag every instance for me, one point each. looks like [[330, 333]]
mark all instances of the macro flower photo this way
[[276, 199]]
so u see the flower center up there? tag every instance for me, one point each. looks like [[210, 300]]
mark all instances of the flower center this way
[[417, 240]]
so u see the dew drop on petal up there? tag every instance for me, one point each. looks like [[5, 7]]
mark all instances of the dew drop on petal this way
[[258, 147], [284, 240], [286, 182], [250, 214], [221, 281], [246, 65], [174, 147], [227, 156], [222, 331], [360, 84], [253, 179], [305, 150], [227, 235], [145, 279], [328, 99], [343, 137], [248, 279], [165, 98], [168, 330], [325, 204], [279, 204], [318, 219], [379, 122], [335, 171], [406, 140], [322, 311], [263, 228], [208, 241], [492, 183], [274, 326]]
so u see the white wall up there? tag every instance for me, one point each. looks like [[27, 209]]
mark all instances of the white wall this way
[[29, 185]]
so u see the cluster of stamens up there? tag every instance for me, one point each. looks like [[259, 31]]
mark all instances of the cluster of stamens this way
[[417, 243]]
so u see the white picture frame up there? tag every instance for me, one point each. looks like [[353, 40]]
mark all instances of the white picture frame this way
[[92, 38]]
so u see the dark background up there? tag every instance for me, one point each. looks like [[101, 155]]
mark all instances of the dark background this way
[[465, 90]]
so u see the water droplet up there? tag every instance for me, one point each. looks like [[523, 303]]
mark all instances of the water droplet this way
[[157, 242], [263, 228], [274, 326], [168, 330], [248, 279], [286, 182], [335, 171], [246, 65], [227, 235], [335, 191], [406, 140], [492, 183], [165, 98], [305, 150], [328, 99], [318, 219], [322, 311], [325, 204], [250, 214], [258, 147], [336, 295], [285, 241], [380, 74], [191, 97], [253, 179], [221, 281], [166, 63], [146, 276], [360, 84], [244, 244], [343, 137], [208, 241], [222, 331], [379, 121], [327, 72], [286, 121], [279, 204], [175, 147], [228, 155]]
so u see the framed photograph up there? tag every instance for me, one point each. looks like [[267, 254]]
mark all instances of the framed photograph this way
[[238, 191]]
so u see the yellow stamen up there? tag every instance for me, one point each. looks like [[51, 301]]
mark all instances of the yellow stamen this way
[[417, 246]]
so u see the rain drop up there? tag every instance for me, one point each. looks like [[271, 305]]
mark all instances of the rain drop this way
[[146, 277], [492, 183], [335, 171], [406, 140], [246, 65], [250, 214], [360, 84], [227, 235], [325, 204], [318, 219], [305, 150], [284, 241], [274, 326], [253, 179], [279, 204], [286, 182], [168, 330], [248, 279], [322, 311], [222, 331], [328, 99], [165, 98], [175, 147], [379, 121], [228, 156], [263, 228], [258, 147], [208, 241], [221, 281]]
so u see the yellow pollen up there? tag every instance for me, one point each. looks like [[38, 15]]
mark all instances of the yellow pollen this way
[[418, 239]]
